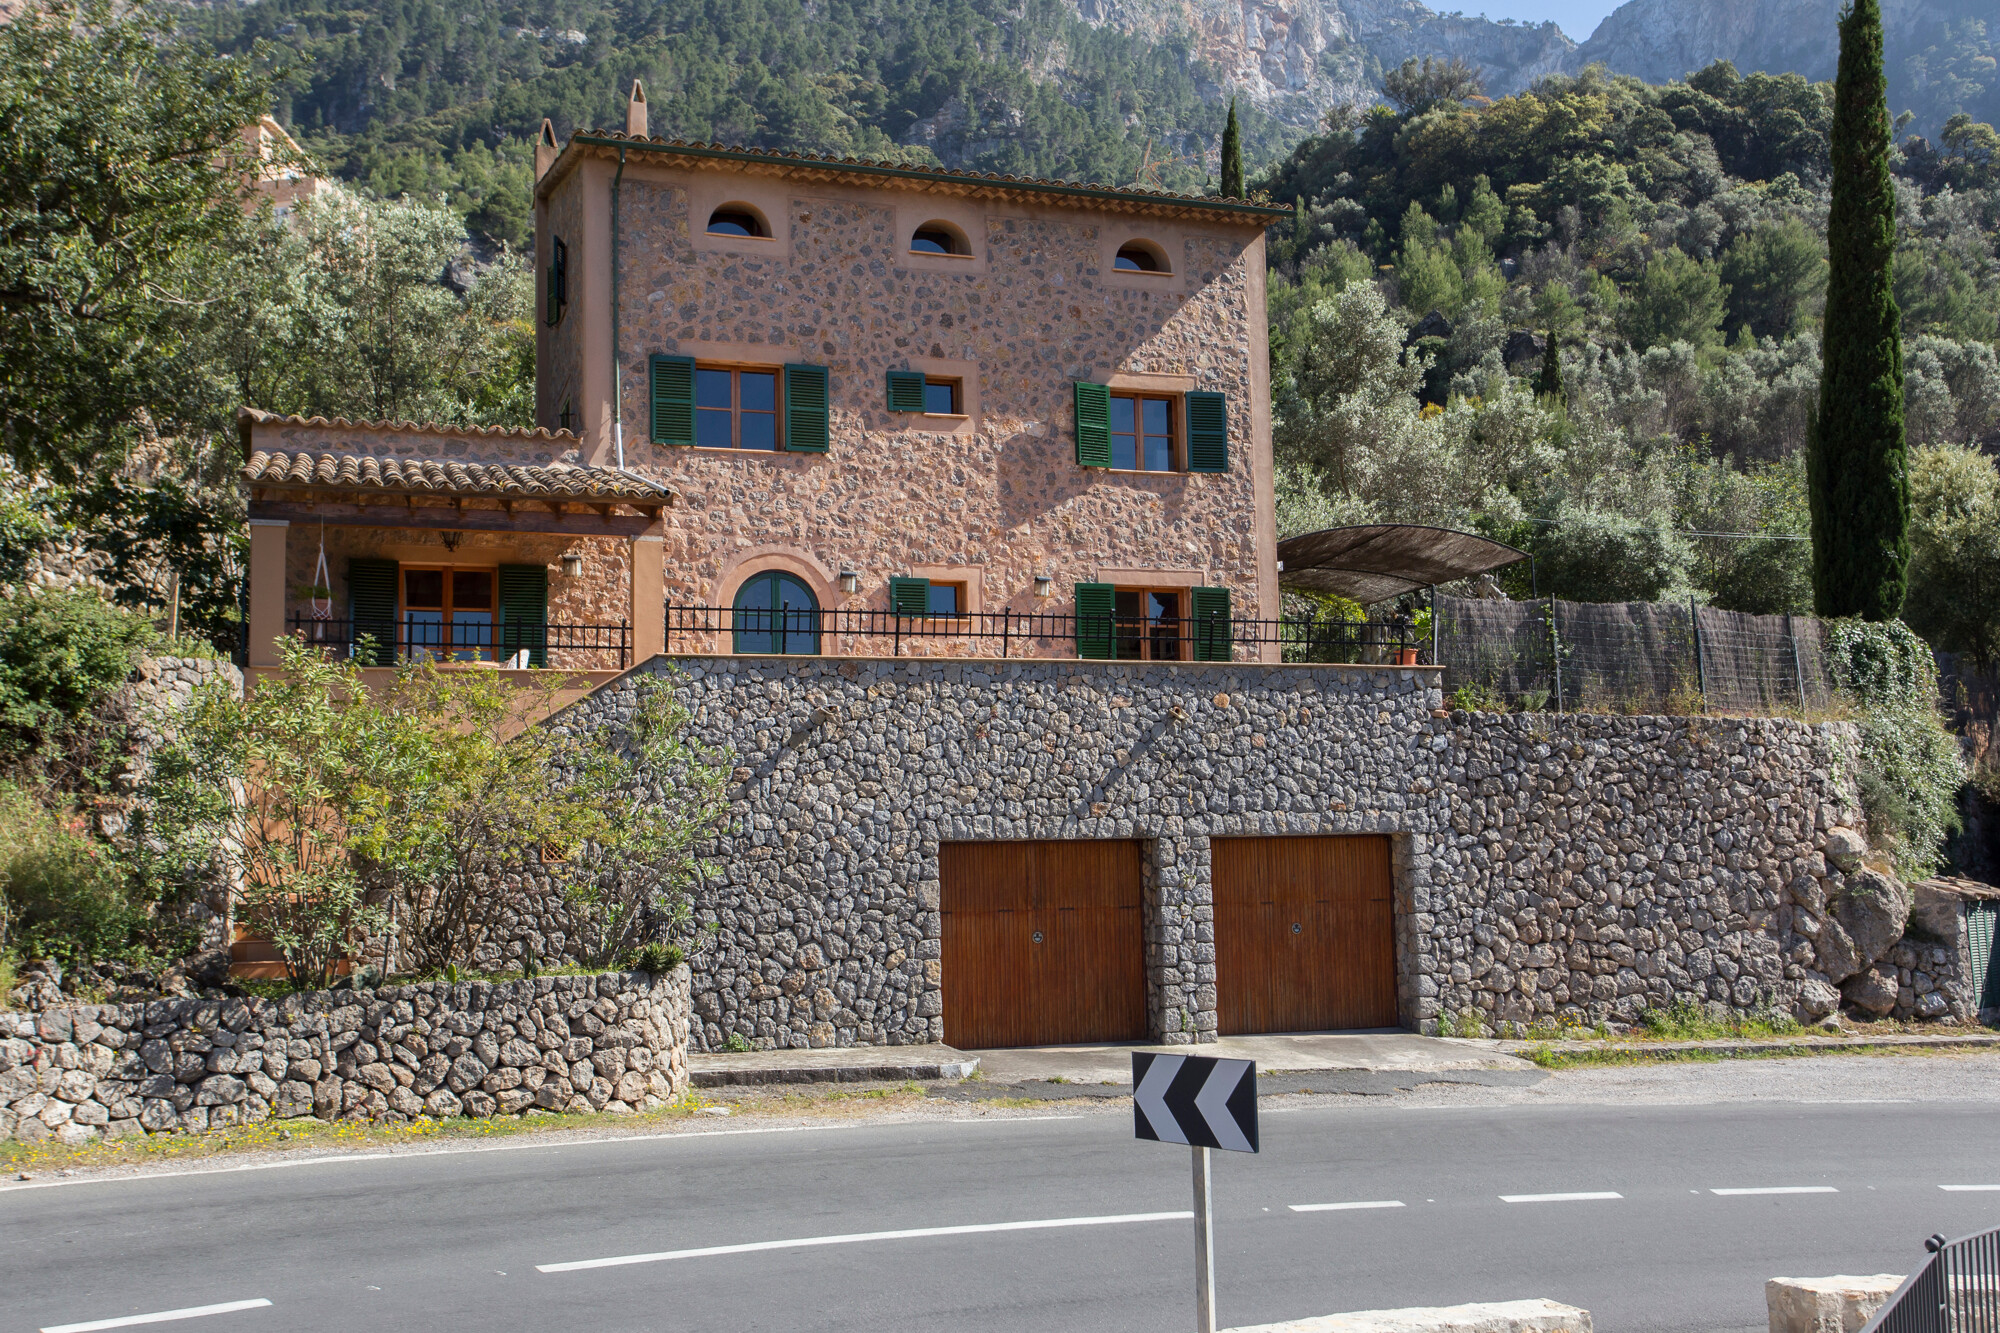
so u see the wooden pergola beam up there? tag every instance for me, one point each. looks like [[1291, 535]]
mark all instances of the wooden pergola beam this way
[[339, 514]]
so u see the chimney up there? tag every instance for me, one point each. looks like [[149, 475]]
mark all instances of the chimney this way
[[635, 111], [545, 148]]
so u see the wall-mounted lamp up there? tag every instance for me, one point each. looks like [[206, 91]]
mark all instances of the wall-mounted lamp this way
[[451, 539], [572, 564], [850, 581], [1044, 585]]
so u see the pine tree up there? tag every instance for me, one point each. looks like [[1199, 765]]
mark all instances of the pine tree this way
[[1232, 156], [1550, 382], [1857, 461]]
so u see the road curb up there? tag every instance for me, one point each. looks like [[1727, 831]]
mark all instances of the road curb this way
[[917, 1071], [1790, 1046]]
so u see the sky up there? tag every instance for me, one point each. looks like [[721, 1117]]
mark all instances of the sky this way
[[1578, 18]]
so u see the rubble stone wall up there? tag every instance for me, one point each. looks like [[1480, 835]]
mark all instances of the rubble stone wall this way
[[1545, 866], [615, 1042]]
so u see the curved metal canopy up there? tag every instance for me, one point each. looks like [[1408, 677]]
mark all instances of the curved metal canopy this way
[[1372, 562]]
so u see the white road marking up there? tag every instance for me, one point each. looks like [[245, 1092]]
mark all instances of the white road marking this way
[[1343, 1207], [1969, 1189], [162, 1317], [856, 1238], [340, 1159], [1577, 1197], [1782, 1189]]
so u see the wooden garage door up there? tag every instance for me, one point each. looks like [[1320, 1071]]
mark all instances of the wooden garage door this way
[[1304, 934], [1044, 943]]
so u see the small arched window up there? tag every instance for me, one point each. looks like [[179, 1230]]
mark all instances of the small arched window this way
[[736, 220], [1140, 257], [776, 613], [938, 238]]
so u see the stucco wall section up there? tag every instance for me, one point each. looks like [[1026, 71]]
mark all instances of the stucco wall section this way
[[558, 368]]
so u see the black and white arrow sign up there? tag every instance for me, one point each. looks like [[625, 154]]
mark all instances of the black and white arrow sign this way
[[1196, 1100]]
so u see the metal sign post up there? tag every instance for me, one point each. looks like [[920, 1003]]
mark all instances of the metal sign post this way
[[1204, 1103]]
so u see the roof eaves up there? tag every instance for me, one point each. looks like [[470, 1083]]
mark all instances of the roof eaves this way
[[1238, 210]]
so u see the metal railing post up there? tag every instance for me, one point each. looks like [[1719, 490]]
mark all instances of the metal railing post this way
[[1006, 629]]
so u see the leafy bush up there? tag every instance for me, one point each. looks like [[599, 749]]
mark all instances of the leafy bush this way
[[657, 958], [62, 893], [1911, 768], [61, 654]]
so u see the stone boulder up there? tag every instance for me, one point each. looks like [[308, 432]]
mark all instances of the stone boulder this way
[[1816, 999], [1844, 847], [1873, 991], [1840, 1304], [1524, 348], [1836, 954], [1873, 908]]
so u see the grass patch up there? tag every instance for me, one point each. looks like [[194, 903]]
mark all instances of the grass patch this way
[[1553, 1059]]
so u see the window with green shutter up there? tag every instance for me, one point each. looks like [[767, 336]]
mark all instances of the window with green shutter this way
[[1093, 424], [1207, 432], [808, 426], [371, 606], [1210, 628], [524, 612], [906, 391], [556, 297], [910, 597], [1093, 619], [673, 400]]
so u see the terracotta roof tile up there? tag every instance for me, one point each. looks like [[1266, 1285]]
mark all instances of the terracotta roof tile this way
[[454, 477], [258, 417]]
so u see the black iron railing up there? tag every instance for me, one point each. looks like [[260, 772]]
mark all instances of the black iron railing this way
[[530, 643], [1957, 1290], [879, 633]]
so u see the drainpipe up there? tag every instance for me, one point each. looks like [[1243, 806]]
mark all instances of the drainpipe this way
[[617, 371]]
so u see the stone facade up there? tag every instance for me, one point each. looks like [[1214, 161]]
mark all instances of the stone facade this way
[[1584, 867], [991, 498], [616, 1042]]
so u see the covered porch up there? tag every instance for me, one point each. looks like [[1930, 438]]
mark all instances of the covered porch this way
[[389, 558]]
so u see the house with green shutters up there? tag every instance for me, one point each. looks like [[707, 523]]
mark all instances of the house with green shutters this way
[[794, 404]]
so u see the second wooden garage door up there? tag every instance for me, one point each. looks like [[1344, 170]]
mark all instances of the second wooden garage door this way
[[1304, 934], [1044, 943]]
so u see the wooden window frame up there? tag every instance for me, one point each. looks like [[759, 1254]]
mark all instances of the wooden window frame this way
[[957, 387], [445, 651], [736, 371], [1142, 629], [1176, 432]]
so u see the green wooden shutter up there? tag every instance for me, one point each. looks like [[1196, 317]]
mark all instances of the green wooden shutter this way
[[673, 400], [1980, 918], [1093, 424], [1094, 606], [1207, 432], [524, 612], [1212, 639], [807, 427], [906, 391], [910, 597], [371, 605]]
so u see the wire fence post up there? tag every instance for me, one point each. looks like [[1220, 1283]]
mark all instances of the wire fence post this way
[[1798, 668], [1555, 653], [1700, 663]]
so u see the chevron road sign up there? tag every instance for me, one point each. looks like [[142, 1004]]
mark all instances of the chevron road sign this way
[[1205, 1103], [1196, 1100]]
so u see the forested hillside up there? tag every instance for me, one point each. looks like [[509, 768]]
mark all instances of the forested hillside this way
[[423, 97], [1671, 240]]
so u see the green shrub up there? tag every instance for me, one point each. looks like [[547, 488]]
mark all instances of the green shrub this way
[[61, 653], [1911, 768], [656, 958], [64, 891]]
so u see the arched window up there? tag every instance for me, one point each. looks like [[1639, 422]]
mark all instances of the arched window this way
[[736, 220], [1141, 257], [938, 238], [776, 613]]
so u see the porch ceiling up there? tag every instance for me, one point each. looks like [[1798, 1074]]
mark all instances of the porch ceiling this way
[[372, 491]]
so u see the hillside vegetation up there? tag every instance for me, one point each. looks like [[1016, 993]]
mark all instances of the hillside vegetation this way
[[1671, 239]]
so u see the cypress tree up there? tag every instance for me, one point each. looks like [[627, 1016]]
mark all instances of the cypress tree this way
[[1232, 156], [1857, 459], [1550, 383]]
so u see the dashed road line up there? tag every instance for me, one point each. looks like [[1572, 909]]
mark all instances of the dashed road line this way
[[1344, 1207], [861, 1237], [1780, 1189], [1574, 1197], [158, 1317], [1969, 1189]]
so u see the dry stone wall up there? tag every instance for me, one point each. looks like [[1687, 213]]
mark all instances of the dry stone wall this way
[[1587, 867], [616, 1042]]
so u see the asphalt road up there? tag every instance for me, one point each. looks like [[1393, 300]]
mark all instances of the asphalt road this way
[[458, 1240]]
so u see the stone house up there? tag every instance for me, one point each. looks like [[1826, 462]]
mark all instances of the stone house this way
[[949, 498]]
